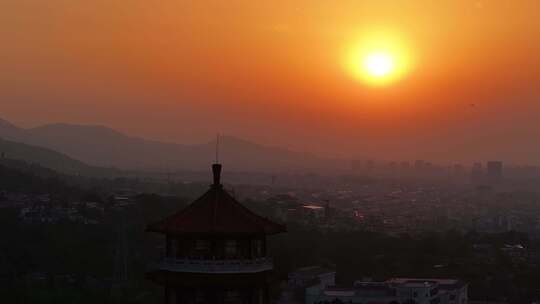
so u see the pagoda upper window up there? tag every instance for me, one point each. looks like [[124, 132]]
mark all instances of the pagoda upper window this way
[[202, 245], [231, 248], [202, 248], [257, 248]]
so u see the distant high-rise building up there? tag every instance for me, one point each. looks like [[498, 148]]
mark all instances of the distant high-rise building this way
[[370, 165], [494, 170], [458, 169], [476, 172], [356, 165], [404, 168], [419, 164]]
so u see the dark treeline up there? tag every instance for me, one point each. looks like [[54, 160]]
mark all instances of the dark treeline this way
[[19, 176], [90, 255]]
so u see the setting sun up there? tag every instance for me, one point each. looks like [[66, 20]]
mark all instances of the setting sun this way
[[379, 59], [379, 64]]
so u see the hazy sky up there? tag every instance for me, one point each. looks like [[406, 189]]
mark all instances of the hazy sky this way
[[273, 72]]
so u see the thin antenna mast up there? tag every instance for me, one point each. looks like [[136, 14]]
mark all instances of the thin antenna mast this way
[[217, 149]]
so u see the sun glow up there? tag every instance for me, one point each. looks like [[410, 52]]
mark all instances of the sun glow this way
[[379, 64], [379, 59]]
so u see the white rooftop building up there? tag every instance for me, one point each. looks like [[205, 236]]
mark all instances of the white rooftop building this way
[[393, 291]]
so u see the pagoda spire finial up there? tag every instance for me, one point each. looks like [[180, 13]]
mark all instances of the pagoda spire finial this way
[[216, 167], [216, 170], [217, 149]]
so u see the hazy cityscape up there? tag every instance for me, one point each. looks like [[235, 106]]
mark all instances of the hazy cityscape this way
[[376, 230]]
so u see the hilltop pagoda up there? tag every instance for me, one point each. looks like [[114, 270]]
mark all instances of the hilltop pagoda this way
[[215, 251]]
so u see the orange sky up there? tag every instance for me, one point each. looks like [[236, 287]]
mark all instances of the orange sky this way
[[273, 73]]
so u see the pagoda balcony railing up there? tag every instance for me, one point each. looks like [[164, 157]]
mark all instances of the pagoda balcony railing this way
[[216, 266]]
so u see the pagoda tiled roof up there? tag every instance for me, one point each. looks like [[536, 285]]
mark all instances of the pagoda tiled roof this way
[[216, 212]]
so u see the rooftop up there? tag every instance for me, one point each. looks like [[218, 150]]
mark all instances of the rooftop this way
[[442, 283], [365, 289], [312, 271], [216, 212]]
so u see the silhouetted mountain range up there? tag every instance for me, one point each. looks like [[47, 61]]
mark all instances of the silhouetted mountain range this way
[[51, 159], [105, 147]]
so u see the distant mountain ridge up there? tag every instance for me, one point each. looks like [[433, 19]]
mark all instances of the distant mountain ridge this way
[[50, 159], [6, 125], [8, 130], [106, 147]]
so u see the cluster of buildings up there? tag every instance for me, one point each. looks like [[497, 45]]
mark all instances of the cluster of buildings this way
[[397, 207], [42, 209], [47, 213], [316, 285], [492, 172], [20, 200]]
